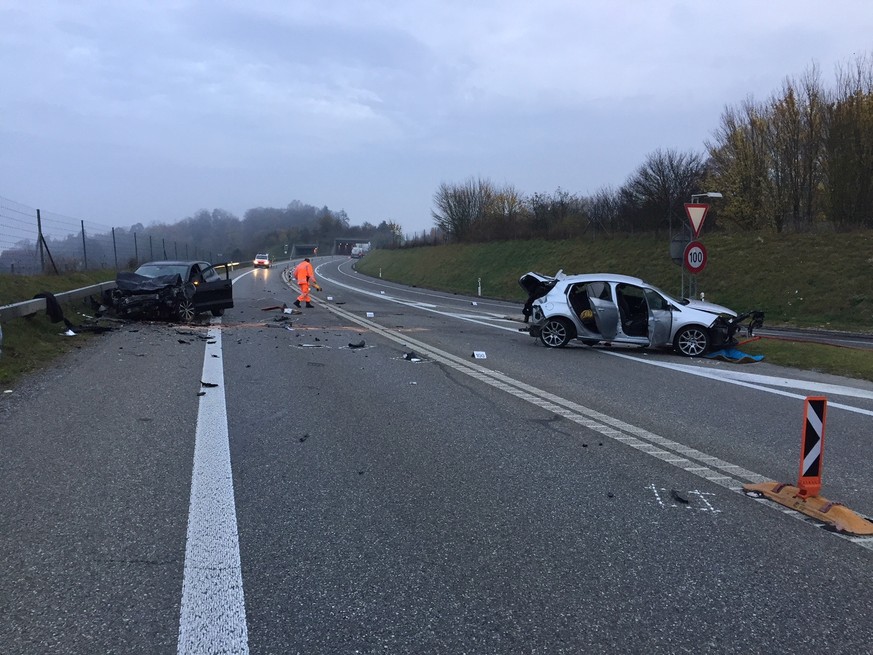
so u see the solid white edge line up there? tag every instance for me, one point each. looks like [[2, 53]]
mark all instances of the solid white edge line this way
[[212, 616]]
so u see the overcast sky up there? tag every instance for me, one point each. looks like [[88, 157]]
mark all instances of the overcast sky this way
[[124, 111]]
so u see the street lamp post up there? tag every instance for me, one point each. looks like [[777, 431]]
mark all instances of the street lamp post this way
[[708, 194]]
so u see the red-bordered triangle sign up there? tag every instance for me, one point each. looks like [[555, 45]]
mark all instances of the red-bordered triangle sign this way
[[696, 214]]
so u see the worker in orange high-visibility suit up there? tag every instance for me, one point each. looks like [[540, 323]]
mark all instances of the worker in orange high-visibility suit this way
[[304, 274]]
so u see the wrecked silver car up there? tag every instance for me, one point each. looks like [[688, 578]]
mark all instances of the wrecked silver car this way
[[618, 309], [171, 290]]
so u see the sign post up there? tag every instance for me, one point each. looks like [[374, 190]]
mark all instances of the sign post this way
[[695, 253]]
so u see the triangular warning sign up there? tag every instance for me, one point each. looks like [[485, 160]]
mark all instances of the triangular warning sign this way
[[696, 214]]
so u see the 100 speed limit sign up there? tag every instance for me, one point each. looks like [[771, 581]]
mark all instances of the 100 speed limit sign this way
[[695, 257]]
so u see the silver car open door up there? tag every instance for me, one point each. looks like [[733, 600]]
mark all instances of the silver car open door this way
[[605, 311], [660, 318]]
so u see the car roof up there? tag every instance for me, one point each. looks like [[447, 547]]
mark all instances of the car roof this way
[[175, 262], [604, 277]]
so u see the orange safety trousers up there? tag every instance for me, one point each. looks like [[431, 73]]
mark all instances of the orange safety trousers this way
[[304, 292]]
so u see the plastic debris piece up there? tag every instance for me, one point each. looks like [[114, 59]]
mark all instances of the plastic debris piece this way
[[359, 344], [208, 384]]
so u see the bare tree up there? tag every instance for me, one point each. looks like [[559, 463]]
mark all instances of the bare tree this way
[[460, 209], [664, 183]]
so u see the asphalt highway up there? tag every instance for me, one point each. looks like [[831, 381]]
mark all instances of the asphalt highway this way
[[403, 471]]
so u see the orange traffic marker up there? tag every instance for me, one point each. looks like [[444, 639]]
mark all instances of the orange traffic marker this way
[[804, 497], [840, 517]]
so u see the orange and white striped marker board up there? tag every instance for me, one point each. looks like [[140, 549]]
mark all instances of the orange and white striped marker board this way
[[815, 410]]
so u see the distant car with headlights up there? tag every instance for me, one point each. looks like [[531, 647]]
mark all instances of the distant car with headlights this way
[[262, 260], [619, 309], [174, 290]]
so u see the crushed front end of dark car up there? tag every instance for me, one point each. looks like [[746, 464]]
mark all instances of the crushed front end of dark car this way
[[137, 296]]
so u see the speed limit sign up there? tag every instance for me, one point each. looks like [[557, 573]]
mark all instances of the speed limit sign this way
[[695, 257]]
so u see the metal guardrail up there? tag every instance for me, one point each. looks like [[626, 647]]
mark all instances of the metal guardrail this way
[[31, 307]]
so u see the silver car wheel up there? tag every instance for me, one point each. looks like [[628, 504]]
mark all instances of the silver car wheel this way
[[555, 333], [186, 310], [691, 341]]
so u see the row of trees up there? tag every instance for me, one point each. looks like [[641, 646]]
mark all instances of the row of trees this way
[[801, 159], [265, 228], [217, 235]]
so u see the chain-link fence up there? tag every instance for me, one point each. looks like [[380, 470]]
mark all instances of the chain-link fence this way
[[35, 242]]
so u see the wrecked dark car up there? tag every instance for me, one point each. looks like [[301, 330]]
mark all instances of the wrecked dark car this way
[[618, 309], [171, 290]]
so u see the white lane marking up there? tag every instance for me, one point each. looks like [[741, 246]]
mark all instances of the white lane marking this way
[[630, 435], [213, 615], [428, 294], [771, 380], [415, 304], [736, 379]]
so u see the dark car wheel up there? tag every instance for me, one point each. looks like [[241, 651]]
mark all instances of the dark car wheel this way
[[218, 312], [185, 311], [556, 332], [691, 341]]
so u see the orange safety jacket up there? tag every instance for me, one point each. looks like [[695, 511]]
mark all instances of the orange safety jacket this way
[[303, 272]]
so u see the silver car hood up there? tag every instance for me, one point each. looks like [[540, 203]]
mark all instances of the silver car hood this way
[[709, 307]]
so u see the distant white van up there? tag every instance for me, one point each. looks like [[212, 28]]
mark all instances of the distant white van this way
[[357, 252]]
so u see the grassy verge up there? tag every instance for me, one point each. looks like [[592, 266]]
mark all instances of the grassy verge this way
[[822, 358], [32, 342]]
